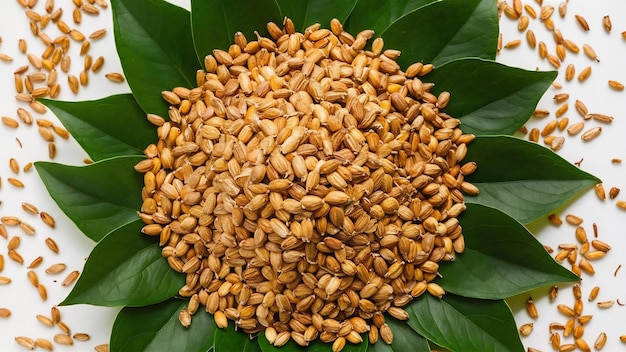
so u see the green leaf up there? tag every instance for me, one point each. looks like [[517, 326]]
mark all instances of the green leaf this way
[[378, 15], [521, 178], [489, 97], [107, 127], [156, 328], [304, 13], [214, 24], [315, 346], [125, 268], [153, 40], [228, 339], [501, 258], [404, 339], [444, 31], [99, 197], [465, 324]]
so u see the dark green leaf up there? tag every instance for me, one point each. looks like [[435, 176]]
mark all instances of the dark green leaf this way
[[501, 258], [126, 268], [489, 97], [521, 178], [379, 15], [404, 339], [107, 127], [315, 346], [228, 339], [465, 324], [304, 13], [215, 22], [153, 40], [156, 328], [99, 197], [444, 31]]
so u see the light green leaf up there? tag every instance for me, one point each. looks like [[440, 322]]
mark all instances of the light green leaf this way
[[521, 178], [501, 258], [379, 15], [153, 40], [489, 97], [95, 127], [444, 31], [125, 268], [465, 324], [213, 28], [304, 13], [99, 197], [156, 328]]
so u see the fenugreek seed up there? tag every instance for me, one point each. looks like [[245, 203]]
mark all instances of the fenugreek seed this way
[[63, 339], [588, 50], [591, 133], [73, 83], [70, 278], [35, 263], [15, 182], [43, 292], [5, 312], [47, 219], [512, 44], [600, 341], [582, 22], [44, 344], [555, 219], [25, 342], [531, 39], [56, 268], [115, 77], [616, 85], [97, 65], [526, 329], [584, 74]]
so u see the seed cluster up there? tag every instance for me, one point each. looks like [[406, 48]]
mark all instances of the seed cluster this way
[[306, 186]]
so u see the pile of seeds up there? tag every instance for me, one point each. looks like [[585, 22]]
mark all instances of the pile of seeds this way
[[306, 186]]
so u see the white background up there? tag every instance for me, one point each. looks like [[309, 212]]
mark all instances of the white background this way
[[22, 298]]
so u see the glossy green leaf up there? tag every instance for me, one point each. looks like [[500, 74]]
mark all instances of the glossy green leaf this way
[[404, 339], [153, 40], [125, 268], [229, 339], [304, 13], [501, 258], [315, 346], [444, 31], [214, 27], [95, 128], [156, 328], [379, 15], [489, 97], [465, 324], [99, 197], [521, 178]]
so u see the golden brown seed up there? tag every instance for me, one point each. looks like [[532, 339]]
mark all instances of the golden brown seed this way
[[584, 74], [5, 312], [616, 85], [555, 219], [591, 133], [115, 77], [600, 341], [35, 263], [73, 83], [512, 44], [582, 22], [25, 342], [606, 23], [531, 39], [526, 329], [63, 339], [588, 50], [70, 278], [531, 308], [44, 344]]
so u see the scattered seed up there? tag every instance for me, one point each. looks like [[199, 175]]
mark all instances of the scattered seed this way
[[25, 342], [47, 219], [582, 22], [555, 219], [15, 182], [35, 263], [56, 268], [5, 312], [584, 74], [98, 34], [63, 339], [591, 134], [621, 204], [70, 278], [526, 329], [606, 23], [590, 52], [79, 336], [600, 191], [44, 344], [531, 39], [605, 304], [512, 44], [616, 85], [43, 292], [616, 270], [531, 308], [115, 77]]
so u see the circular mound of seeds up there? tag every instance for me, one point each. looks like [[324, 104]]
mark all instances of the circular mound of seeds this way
[[307, 186]]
